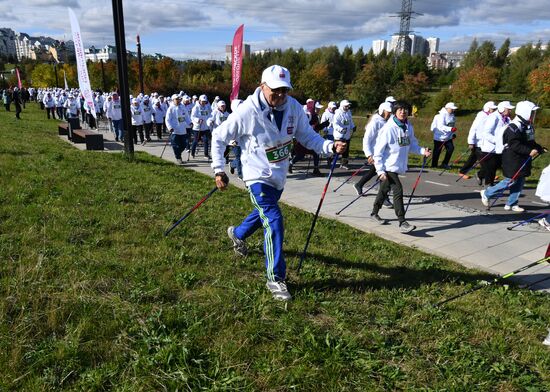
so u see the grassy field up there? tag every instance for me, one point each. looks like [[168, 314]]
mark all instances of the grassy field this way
[[94, 298]]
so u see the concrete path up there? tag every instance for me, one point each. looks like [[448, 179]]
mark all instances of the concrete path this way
[[451, 221]]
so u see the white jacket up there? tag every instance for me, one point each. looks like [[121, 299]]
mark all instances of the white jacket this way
[[147, 112], [159, 112], [114, 109], [543, 187], [389, 155], [177, 119], [371, 134], [137, 114], [343, 125], [489, 136], [442, 125], [199, 117], [265, 148], [217, 118], [327, 115], [474, 136]]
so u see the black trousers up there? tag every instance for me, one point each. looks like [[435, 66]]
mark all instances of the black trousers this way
[[472, 159], [371, 172], [137, 130], [158, 128], [438, 146], [490, 166], [392, 182]]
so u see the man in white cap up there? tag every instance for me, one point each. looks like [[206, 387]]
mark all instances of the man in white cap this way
[[519, 150], [147, 117], [327, 118], [264, 126], [177, 121], [377, 121], [473, 139], [136, 113], [159, 115], [199, 116], [490, 145], [343, 128], [114, 113], [443, 128]]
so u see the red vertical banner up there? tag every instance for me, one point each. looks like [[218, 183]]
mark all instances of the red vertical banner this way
[[236, 62], [18, 78]]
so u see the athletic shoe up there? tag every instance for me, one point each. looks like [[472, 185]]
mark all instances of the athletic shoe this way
[[514, 208], [546, 341], [376, 218], [484, 199], [179, 161], [239, 246], [479, 181], [279, 290], [231, 170], [464, 176], [345, 167], [317, 173], [290, 168], [405, 227], [358, 189], [544, 223], [446, 167], [387, 203]]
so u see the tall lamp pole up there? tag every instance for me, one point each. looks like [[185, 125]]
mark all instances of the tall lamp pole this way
[[122, 65], [140, 65], [103, 75]]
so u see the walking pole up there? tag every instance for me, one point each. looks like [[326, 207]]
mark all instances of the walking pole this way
[[475, 165], [165, 144], [529, 220], [455, 161], [415, 184], [497, 279], [350, 177], [358, 197], [510, 183], [317, 212], [191, 210]]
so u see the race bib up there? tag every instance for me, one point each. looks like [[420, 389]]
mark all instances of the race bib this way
[[180, 119], [278, 154], [116, 106], [404, 141], [530, 132]]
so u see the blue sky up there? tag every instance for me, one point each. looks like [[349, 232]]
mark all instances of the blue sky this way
[[201, 29]]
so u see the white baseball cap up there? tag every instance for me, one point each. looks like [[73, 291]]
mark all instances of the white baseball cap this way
[[332, 104], [504, 105], [175, 96], [276, 76], [344, 102], [318, 105], [451, 105], [203, 98], [221, 103], [489, 105], [384, 107], [390, 99], [525, 108]]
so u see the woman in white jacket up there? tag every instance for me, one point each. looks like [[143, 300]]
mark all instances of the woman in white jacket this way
[[343, 128]]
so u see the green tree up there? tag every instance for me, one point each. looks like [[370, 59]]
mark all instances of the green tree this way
[[539, 84], [484, 55], [314, 82], [473, 84], [522, 62], [43, 75], [372, 84], [412, 88]]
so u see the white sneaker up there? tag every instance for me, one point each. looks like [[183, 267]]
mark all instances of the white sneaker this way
[[544, 223], [239, 246], [546, 341], [514, 208], [484, 199], [279, 290]]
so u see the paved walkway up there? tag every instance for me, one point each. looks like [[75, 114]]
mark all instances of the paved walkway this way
[[450, 220]]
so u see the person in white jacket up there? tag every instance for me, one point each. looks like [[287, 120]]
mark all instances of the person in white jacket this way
[[491, 140], [49, 104], [328, 116], [264, 125], [177, 121], [147, 108], [474, 137], [199, 116], [343, 128], [443, 128], [159, 114], [136, 113], [114, 114], [377, 121], [391, 154]]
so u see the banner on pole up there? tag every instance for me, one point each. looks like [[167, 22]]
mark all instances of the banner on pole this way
[[65, 77], [236, 62], [18, 78], [83, 79]]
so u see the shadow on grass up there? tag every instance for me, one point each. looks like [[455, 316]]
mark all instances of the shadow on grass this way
[[392, 277]]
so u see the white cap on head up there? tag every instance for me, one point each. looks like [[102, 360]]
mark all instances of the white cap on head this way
[[135, 100], [309, 100], [276, 76], [489, 105], [344, 102], [175, 96], [504, 105], [451, 105], [221, 103], [525, 108], [145, 97], [390, 99], [203, 98], [332, 105], [186, 97], [235, 104], [384, 107], [318, 105]]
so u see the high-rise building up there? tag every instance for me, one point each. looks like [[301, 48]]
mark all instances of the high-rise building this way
[[7, 43], [418, 45], [379, 45], [433, 43]]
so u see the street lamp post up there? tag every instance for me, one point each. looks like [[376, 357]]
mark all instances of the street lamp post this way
[[140, 65]]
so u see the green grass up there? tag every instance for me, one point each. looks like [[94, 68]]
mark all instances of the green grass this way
[[94, 298]]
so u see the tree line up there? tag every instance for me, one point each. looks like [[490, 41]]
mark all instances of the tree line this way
[[327, 73]]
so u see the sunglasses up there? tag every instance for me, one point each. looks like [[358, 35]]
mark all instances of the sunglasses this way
[[280, 90]]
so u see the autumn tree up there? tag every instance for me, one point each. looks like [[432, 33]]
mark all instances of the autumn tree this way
[[539, 84], [412, 89], [471, 86], [315, 83]]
